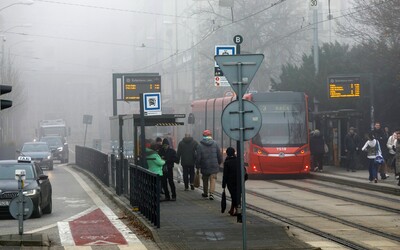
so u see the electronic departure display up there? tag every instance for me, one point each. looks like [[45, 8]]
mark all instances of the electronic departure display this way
[[136, 85], [343, 87]]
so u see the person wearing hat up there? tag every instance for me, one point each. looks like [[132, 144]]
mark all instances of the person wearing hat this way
[[208, 159], [168, 154], [351, 147]]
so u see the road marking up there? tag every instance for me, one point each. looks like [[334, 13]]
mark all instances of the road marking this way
[[64, 228]]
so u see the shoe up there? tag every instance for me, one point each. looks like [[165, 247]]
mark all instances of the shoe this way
[[173, 199], [186, 189], [353, 170], [398, 184], [166, 199], [191, 187], [315, 169], [348, 170], [179, 181], [211, 197], [376, 180], [397, 177], [204, 195], [320, 170], [387, 176]]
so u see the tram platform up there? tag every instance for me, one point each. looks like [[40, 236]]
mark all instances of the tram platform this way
[[359, 178], [194, 222]]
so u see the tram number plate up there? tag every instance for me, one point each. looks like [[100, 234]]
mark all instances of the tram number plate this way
[[4, 203]]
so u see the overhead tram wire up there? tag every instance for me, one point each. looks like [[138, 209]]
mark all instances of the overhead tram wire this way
[[305, 28], [120, 10]]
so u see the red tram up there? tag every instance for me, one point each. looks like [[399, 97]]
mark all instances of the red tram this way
[[282, 144]]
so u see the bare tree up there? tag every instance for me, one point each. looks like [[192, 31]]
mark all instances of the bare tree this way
[[267, 27], [374, 21]]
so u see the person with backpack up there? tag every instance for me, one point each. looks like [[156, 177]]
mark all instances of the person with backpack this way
[[372, 148]]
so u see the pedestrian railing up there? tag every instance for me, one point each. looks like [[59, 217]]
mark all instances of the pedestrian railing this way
[[145, 193], [94, 162]]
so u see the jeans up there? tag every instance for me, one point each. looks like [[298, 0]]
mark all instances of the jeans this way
[[212, 178], [373, 169], [188, 175], [168, 178]]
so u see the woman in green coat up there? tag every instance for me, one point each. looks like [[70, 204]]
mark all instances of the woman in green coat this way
[[154, 161]]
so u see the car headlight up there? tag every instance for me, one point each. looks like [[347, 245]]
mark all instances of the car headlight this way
[[31, 192], [48, 157]]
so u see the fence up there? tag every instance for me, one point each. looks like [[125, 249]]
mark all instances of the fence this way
[[142, 186]]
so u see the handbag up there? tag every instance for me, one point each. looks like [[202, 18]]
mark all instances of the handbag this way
[[196, 181], [326, 148], [223, 202], [378, 158]]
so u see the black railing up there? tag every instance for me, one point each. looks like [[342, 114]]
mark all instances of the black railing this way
[[145, 193], [94, 162]]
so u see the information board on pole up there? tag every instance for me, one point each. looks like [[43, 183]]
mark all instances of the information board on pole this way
[[219, 78], [135, 85]]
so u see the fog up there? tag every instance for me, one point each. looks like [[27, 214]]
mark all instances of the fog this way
[[62, 55]]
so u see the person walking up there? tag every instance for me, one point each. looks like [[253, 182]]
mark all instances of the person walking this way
[[208, 159], [186, 155], [397, 158], [317, 148], [351, 146], [380, 135], [231, 179], [168, 154], [372, 148], [391, 145]]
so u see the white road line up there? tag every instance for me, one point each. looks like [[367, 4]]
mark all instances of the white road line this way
[[129, 236]]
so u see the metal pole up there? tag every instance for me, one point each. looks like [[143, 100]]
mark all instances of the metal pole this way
[[316, 56], [241, 142]]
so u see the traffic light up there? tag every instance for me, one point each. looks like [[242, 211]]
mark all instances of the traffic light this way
[[4, 89]]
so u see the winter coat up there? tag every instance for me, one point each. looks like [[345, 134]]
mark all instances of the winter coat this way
[[372, 148], [398, 156], [351, 142], [168, 155], [390, 143], [317, 144], [380, 135], [208, 157], [186, 153], [154, 161]]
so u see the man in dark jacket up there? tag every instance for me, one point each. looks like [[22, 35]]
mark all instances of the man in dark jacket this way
[[380, 135], [168, 154], [317, 148], [208, 159], [351, 147], [186, 154]]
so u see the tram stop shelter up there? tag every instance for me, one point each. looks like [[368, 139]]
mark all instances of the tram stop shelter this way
[[126, 130]]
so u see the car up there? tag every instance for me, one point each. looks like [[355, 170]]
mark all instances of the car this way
[[59, 149], [37, 185], [39, 152]]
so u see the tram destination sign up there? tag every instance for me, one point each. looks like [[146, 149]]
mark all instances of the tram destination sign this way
[[136, 85], [344, 86]]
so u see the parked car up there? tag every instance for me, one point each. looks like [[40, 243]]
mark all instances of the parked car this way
[[39, 152], [37, 185], [59, 149]]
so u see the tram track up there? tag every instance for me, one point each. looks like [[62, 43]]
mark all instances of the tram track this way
[[313, 213], [344, 198]]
